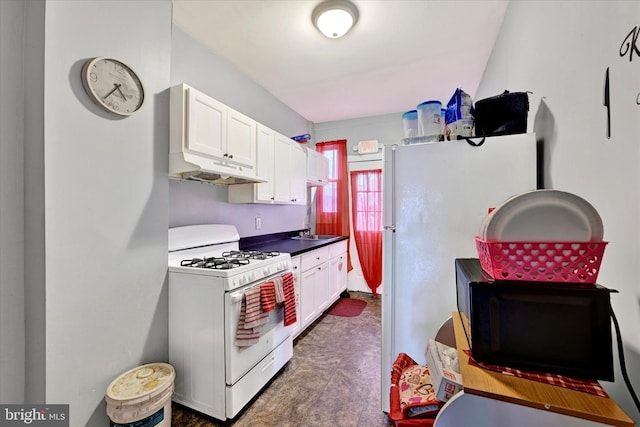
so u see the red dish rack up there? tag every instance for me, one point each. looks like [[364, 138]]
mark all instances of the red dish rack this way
[[567, 262]]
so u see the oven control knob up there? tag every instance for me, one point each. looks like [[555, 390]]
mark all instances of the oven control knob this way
[[243, 280], [252, 276], [266, 271]]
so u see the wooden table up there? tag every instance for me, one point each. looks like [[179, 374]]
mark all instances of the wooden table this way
[[490, 398]]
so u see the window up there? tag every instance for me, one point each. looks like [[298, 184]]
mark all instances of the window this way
[[367, 204], [332, 199]]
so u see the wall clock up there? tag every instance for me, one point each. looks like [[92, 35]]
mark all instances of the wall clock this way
[[113, 85]]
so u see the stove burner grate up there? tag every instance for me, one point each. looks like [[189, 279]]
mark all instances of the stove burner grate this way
[[228, 260], [214, 263], [250, 254]]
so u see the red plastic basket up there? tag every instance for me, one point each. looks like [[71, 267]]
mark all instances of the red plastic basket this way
[[567, 262]]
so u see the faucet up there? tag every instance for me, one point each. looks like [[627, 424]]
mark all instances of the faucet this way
[[305, 232]]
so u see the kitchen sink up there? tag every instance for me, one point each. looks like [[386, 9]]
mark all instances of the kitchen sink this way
[[315, 237]]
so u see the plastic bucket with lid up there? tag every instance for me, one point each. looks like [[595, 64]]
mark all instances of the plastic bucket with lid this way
[[410, 124], [429, 121], [142, 396]]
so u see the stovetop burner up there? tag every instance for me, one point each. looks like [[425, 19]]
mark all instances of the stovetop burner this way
[[250, 254], [228, 260], [214, 263]]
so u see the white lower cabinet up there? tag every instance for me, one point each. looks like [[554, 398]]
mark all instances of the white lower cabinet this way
[[313, 284], [337, 269], [295, 267], [322, 276]]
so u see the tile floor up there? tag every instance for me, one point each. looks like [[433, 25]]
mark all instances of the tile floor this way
[[333, 379]]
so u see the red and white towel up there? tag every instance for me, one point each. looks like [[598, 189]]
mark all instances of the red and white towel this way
[[250, 315], [289, 299], [258, 301], [268, 296], [277, 281]]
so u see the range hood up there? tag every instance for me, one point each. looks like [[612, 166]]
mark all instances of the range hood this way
[[201, 130], [195, 167]]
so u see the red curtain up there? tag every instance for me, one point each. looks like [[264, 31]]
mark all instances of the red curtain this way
[[332, 199], [366, 191]]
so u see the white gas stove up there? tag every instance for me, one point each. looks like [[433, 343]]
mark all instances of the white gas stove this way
[[213, 250], [208, 278]]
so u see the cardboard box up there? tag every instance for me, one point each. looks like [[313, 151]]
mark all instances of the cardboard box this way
[[444, 368]]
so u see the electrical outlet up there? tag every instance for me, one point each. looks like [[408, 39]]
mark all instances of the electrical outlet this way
[[258, 223]]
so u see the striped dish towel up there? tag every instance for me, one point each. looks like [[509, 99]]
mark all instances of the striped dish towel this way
[[289, 299], [246, 334], [253, 314], [277, 282], [268, 296]]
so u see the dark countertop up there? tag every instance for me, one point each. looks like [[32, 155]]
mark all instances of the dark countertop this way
[[282, 242]]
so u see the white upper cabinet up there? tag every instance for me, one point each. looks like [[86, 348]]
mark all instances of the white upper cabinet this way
[[282, 169], [297, 174], [317, 168], [264, 191], [206, 124], [208, 139], [282, 161], [241, 138]]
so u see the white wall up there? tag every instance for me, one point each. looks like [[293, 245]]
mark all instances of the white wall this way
[[104, 205], [559, 51], [12, 319], [387, 129], [201, 203], [34, 201], [197, 203]]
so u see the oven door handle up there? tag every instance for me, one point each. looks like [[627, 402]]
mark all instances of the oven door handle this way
[[237, 297]]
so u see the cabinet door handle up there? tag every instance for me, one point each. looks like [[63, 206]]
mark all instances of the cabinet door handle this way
[[231, 156]]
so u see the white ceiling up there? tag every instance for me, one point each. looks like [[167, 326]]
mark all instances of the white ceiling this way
[[399, 53]]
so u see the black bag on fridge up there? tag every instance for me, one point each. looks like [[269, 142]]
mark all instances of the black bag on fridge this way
[[504, 114]]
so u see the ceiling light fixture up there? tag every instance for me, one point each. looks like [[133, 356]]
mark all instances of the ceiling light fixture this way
[[334, 18]]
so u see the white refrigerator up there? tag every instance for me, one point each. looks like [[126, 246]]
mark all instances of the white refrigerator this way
[[435, 197]]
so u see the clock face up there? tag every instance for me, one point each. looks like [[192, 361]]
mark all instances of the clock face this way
[[113, 85]]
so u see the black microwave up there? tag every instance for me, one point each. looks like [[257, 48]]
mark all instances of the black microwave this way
[[557, 328]]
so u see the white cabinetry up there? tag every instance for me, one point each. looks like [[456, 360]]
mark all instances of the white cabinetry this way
[[314, 285], [297, 173], [262, 192], [241, 139], [209, 138], [264, 164], [322, 276], [337, 269], [206, 124], [295, 267], [317, 168], [282, 161]]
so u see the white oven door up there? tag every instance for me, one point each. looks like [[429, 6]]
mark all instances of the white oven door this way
[[239, 360]]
